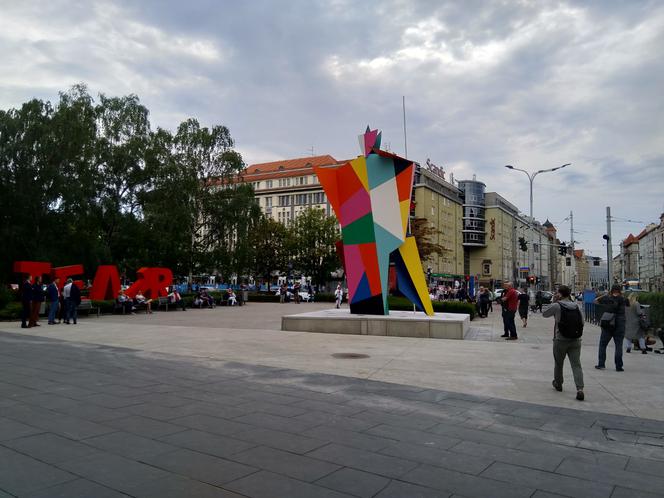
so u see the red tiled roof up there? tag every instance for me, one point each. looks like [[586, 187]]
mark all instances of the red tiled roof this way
[[289, 164], [629, 240], [578, 253]]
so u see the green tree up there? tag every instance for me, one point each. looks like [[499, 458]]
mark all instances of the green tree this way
[[313, 238], [426, 236], [270, 242]]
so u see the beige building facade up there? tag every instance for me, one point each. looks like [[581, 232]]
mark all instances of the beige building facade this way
[[438, 201]]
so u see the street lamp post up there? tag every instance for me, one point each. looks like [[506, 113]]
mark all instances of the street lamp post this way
[[531, 178]]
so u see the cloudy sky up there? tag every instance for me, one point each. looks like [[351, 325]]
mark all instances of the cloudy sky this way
[[531, 83]]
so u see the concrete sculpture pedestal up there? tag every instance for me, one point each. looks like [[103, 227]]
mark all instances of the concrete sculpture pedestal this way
[[397, 324]]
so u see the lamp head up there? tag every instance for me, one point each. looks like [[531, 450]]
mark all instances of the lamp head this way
[[509, 166]]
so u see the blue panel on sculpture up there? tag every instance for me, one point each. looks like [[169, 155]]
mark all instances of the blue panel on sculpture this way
[[362, 291], [379, 170], [405, 283]]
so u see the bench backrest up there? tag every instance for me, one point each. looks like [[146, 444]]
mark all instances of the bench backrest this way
[[85, 304]]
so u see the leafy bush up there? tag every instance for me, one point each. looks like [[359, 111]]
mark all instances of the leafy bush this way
[[403, 304], [656, 302], [11, 311], [6, 297]]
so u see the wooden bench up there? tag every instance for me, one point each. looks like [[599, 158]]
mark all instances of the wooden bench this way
[[86, 305], [166, 302]]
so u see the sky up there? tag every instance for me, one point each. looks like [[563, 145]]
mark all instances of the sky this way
[[535, 84]]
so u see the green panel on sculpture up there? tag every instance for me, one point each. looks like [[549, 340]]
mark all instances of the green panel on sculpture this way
[[361, 231]]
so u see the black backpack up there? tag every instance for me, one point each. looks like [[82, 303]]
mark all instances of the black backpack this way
[[570, 325]]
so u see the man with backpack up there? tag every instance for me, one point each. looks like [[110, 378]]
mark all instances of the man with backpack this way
[[566, 339]]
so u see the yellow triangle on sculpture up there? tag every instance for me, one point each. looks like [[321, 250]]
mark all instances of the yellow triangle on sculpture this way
[[360, 167], [405, 211]]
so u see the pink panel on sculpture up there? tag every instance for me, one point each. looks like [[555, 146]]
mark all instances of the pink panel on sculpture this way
[[355, 207], [369, 140], [354, 266]]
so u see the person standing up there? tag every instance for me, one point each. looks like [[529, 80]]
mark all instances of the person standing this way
[[53, 292], [524, 301], [26, 302], [539, 300], [296, 292], [633, 329], [66, 293], [510, 302], [37, 300], [484, 300], [74, 301], [614, 303], [566, 339]]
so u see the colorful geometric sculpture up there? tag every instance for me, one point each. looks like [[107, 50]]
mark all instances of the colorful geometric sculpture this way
[[371, 197]]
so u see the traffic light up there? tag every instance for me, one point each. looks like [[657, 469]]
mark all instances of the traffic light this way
[[523, 245], [531, 280], [562, 250]]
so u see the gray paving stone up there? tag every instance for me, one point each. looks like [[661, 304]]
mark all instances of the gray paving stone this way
[[110, 401], [5, 495], [204, 442], [348, 438], [546, 481], [357, 423], [299, 467], [421, 422], [11, 429], [545, 494], [363, 460], [542, 461], [280, 440], [211, 424], [469, 464], [51, 448], [333, 408], [607, 460], [79, 488], [145, 426], [269, 485], [354, 482], [414, 436], [114, 471], [272, 408], [465, 484], [621, 492], [50, 421], [14, 391], [477, 435], [199, 466], [278, 399], [275, 422], [398, 489], [644, 466], [623, 478], [129, 445], [175, 486], [20, 474]]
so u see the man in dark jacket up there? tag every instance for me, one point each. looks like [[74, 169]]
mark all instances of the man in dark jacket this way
[[37, 300], [53, 292], [615, 303], [26, 301], [74, 301]]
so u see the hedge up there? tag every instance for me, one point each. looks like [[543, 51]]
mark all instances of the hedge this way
[[403, 304], [656, 302]]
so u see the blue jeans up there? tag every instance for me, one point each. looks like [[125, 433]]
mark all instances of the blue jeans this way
[[604, 340], [52, 310]]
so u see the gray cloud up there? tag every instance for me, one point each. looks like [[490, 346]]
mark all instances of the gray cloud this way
[[534, 84]]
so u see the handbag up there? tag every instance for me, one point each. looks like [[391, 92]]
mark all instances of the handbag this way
[[608, 320]]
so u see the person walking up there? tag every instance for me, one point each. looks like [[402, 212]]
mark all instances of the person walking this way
[[338, 296], [37, 300], [53, 292], [524, 301], [539, 299], [510, 302], [566, 339], [633, 329], [612, 324]]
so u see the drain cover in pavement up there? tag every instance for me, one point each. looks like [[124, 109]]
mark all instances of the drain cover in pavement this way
[[349, 356]]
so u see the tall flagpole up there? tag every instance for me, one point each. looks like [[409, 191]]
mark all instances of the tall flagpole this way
[[405, 138]]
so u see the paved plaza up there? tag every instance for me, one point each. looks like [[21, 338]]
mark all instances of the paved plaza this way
[[220, 403]]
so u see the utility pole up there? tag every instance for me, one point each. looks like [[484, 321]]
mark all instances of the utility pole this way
[[571, 242], [405, 137], [609, 251]]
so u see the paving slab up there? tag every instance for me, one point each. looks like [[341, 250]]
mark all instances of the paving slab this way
[[126, 418]]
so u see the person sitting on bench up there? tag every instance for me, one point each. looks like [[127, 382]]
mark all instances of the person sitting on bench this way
[[125, 302], [175, 298], [141, 299], [205, 298], [232, 298]]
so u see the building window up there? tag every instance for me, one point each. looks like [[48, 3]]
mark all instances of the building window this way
[[268, 202], [433, 210], [486, 268], [268, 184]]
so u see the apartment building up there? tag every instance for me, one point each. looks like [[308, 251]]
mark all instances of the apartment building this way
[[286, 188]]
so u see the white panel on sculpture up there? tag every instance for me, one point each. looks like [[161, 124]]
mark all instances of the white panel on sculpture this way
[[386, 210]]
